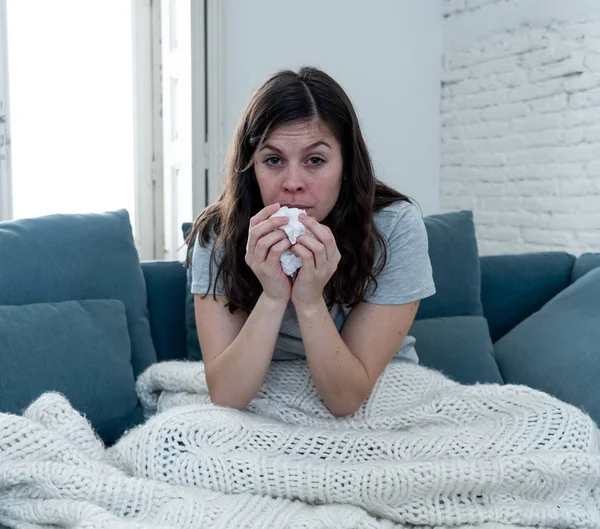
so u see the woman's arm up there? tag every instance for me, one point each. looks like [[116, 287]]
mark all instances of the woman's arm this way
[[345, 367], [236, 348]]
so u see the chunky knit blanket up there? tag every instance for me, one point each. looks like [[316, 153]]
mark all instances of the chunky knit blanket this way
[[423, 451]]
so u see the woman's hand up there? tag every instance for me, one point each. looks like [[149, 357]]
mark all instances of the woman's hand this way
[[265, 245], [320, 257]]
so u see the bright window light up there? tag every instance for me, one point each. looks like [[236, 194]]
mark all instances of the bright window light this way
[[71, 104]]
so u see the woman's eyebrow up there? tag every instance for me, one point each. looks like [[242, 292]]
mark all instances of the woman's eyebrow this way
[[268, 146], [317, 144]]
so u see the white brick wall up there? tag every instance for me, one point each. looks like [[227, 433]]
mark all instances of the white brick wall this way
[[521, 129]]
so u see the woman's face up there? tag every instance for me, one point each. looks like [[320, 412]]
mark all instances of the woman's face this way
[[300, 166]]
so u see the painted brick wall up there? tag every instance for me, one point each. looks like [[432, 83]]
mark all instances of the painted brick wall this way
[[521, 127]]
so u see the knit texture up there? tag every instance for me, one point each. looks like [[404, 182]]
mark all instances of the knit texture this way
[[423, 451]]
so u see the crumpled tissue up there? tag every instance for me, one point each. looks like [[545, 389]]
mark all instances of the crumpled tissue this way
[[294, 228]]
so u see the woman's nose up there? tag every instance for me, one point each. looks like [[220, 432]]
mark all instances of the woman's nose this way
[[293, 180]]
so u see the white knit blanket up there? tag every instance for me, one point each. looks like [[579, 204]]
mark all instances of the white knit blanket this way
[[423, 451]]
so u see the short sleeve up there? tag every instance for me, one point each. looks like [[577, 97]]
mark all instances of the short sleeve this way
[[202, 281], [406, 275]]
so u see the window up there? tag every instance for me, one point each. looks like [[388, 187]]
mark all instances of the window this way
[[71, 99], [74, 92], [97, 113]]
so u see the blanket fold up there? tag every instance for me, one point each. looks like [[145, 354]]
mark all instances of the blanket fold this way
[[423, 451]]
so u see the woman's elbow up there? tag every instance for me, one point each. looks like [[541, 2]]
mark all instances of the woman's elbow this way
[[219, 398], [340, 413], [347, 406], [223, 396]]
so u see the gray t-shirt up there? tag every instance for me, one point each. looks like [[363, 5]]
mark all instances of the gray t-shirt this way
[[406, 277]]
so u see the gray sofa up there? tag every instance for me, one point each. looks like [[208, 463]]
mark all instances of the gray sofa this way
[[81, 315]]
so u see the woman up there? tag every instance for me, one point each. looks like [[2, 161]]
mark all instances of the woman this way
[[352, 302]]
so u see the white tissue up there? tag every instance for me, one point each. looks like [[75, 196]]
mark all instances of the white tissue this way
[[290, 263], [293, 229]]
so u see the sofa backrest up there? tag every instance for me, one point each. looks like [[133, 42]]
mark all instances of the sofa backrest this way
[[512, 288], [166, 287]]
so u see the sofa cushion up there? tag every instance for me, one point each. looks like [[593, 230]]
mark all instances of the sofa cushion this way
[[72, 257], [455, 263], [557, 349], [515, 286], [78, 348], [458, 346], [585, 262]]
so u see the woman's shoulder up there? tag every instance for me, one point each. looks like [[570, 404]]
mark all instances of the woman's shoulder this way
[[206, 239], [400, 214], [204, 261]]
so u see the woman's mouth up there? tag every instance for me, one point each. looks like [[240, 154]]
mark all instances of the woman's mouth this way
[[298, 206]]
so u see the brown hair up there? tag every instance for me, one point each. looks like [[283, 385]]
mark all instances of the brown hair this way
[[289, 97]]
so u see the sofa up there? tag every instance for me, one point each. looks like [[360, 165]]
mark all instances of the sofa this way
[[80, 314]]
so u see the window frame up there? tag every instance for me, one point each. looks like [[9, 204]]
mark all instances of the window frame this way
[[6, 209], [147, 127]]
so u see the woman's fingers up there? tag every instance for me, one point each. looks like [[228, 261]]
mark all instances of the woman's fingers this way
[[264, 214], [265, 244], [276, 250], [316, 248], [263, 228], [307, 256], [324, 235]]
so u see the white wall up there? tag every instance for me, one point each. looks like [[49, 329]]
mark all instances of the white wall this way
[[521, 122], [385, 53]]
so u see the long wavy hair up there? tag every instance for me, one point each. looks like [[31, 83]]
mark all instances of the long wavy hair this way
[[289, 97]]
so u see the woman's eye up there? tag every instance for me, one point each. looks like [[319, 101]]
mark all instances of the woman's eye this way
[[273, 160], [315, 160]]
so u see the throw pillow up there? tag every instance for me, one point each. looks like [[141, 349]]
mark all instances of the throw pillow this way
[[458, 346], [515, 286], [557, 349], [70, 257], [78, 348], [584, 263], [455, 263]]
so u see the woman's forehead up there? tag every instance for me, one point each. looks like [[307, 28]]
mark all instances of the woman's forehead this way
[[299, 134]]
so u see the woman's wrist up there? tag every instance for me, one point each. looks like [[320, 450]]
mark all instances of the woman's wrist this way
[[309, 308], [273, 303]]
